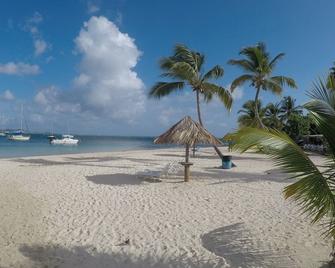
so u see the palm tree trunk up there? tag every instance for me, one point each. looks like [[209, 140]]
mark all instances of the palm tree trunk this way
[[200, 122], [259, 121], [198, 107]]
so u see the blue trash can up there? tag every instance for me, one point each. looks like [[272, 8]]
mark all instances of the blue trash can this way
[[226, 162]]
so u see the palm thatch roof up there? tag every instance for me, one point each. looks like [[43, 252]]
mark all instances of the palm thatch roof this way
[[186, 131]]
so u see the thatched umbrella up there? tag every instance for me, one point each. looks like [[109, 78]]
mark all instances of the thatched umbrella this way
[[187, 132]]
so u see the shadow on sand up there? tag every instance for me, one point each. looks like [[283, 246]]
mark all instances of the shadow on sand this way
[[117, 179], [233, 243], [83, 161], [88, 257], [233, 176]]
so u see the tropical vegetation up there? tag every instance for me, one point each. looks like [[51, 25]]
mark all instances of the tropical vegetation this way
[[185, 68], [313, 186], [284, 115], [258, 67]]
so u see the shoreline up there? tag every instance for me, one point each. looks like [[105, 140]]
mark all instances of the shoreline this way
[[85, 207]]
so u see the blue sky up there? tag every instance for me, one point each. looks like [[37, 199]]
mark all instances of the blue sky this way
[[90, 64]]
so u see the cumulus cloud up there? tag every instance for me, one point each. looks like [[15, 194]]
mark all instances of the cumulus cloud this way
[[31, 25], [52, 100], [107, 85], [107, 80], [7, 95], [19, 68]]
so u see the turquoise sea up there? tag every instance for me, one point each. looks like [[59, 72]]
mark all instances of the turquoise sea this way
[[39, 145]]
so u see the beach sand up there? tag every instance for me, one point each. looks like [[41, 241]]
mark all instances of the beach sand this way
[[108, 210]]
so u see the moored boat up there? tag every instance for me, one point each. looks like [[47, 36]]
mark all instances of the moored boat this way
[[65, 140]]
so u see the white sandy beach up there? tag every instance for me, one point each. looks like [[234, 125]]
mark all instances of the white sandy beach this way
[[78, 210]]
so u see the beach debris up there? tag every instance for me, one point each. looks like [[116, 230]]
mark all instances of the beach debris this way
[[124, 243]]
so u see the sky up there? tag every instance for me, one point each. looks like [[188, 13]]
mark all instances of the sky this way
[[86, 66]]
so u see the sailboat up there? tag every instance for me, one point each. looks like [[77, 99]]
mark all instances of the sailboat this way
[[18, 135]]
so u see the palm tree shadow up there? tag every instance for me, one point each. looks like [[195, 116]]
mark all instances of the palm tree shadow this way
[[88, 256], [234, 243]]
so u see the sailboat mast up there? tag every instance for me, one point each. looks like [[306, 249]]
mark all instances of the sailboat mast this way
[[21, 116]]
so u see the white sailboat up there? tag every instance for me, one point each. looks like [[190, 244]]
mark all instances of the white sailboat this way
[[18, 136]]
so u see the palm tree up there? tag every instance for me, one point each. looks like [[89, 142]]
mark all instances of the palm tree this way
[[273, 116], [313, 188], [248, 114], [288, 107], [185, 68], [258, 68]]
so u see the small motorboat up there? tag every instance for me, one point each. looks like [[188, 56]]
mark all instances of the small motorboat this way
[[65, 140]]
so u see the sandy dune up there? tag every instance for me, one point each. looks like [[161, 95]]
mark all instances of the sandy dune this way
[[107, 210]]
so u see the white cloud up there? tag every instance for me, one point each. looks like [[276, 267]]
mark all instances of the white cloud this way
[[106, 88], [19, 68], [52, 100], [32, 23], [7, 95], [40, 46], [92, 8], [107, 82], [237, 93]]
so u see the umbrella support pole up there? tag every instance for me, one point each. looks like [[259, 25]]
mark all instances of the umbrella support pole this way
[[187, 164]]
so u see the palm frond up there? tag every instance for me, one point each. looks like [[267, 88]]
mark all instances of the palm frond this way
[[239, 81], [223, 94], [244, 64], [275, 60], [312, 190], [162, 89], [181, 70], [273, 86], [283, 80], [322, 108], [183, 54], [214, 73]]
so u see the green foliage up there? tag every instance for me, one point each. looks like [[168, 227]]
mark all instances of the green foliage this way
[[297, 125], [248, 115], [258, 68], [185, 68], [313, 188]]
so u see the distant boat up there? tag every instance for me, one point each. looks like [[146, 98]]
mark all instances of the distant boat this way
[[65, 140], [18, 135], [2, 134]]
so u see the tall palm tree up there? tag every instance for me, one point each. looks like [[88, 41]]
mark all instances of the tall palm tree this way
[[288, 107], [313, 188], [248, 114], [185, 69], [258, 68], [273, 116]]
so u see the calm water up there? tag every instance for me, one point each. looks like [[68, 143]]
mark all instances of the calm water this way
[[39, 145]]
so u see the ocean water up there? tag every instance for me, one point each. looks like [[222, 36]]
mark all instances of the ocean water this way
[[39, 145]]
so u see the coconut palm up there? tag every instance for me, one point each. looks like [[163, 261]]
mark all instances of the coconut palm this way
[[288, 107], [258, 68], [273, 116], [248, 114], [185, 69], [313, 187]]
